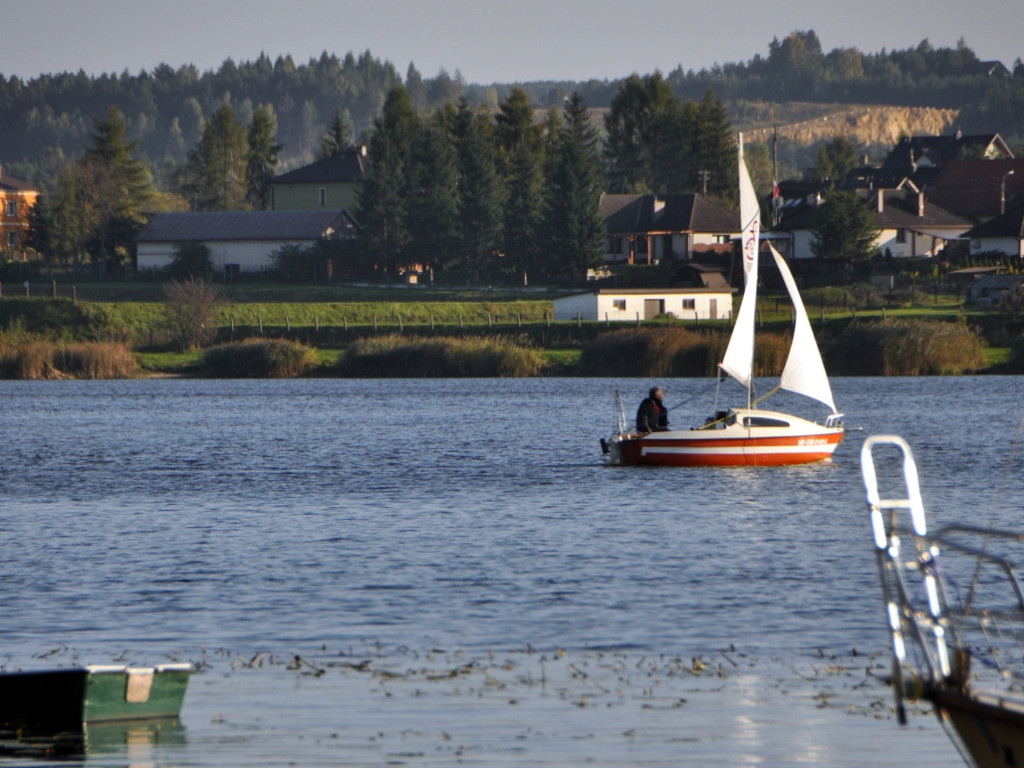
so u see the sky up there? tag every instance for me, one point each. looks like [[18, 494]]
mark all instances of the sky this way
[[487, 41]]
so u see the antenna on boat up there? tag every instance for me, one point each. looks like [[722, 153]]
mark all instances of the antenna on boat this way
[[620, 414]]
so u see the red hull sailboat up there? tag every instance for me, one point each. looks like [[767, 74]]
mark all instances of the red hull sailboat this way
[[748, 435]]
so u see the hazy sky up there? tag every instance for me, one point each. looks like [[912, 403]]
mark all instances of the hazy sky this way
[[486, 40]]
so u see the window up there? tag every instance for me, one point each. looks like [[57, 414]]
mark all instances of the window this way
[[901, 235], [615, 244], [12, 239], [763, 421], [619, 304], [323, 197], [12, 208], [689, 303]]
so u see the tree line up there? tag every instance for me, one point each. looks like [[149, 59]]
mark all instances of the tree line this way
[[45, 121], [498, 194]]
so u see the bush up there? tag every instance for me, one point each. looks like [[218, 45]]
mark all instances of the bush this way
[[259, 359], [35, 359], [395, 356], [906, 348]]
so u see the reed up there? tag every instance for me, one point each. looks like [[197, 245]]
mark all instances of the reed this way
[[259, 359], [37, 359], [395, 356], [906, 348]]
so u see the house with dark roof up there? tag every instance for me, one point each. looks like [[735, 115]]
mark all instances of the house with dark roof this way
[[239, 241], [16, 198], [1003, 234], [909, 225], [646, 229], [921, 158], [979, 189], [328, 184]]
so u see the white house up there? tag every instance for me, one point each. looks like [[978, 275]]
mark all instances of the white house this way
[[908, 225], [633, 304], [239, 241], [1004, 234]]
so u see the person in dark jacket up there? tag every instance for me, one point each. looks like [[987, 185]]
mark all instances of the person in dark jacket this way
[[652, 416]]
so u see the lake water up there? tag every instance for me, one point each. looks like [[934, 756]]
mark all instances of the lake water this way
[[463, 579]]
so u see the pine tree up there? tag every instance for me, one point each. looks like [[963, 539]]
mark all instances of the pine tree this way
[[217, 164], [433, 204], [339, 135], [480, 193], [262, 158], [521, 162], [382, 208], [575, 230], [119, 183], [716, 149], [845, 229]]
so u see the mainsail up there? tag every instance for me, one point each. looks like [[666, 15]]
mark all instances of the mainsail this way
[[738, 361], [804, 372]]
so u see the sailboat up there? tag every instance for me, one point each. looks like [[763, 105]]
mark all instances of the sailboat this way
[[748, 435]]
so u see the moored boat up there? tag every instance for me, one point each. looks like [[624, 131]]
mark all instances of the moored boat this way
[[55, 700], [748, 435], [955, 611]]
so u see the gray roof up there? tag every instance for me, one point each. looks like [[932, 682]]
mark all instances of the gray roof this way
[[239, 225], [1010, 224], [634, 214], [349, 165]]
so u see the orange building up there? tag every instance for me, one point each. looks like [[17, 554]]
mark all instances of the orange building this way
[[16, 198]]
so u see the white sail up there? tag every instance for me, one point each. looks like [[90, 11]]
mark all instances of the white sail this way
[[738, 361], [804, 372]]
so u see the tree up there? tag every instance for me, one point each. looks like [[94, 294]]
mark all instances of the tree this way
[[262, 158], [835, 160], [716, 149], [339, 135], [480, 193], [574, 227], [845, 229], [382, 206], [191, 260], [191, 308], [521, 159], [119, 184], [217, 164], [433, 204]]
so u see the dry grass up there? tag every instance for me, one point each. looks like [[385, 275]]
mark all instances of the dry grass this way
[[260, 359], [395, 356]]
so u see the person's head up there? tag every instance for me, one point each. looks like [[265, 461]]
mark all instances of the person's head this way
[[656, 394]]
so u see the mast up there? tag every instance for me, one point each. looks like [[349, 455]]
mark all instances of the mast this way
[[738, 361]]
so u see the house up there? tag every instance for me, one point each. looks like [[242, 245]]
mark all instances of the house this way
[[16, 198], [646, 229], [922, 158], [979, 189], [635, 304], [239, 241], [329, 184], [909, 226], [1003, 234]]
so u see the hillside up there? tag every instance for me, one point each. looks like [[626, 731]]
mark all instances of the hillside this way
[[866, 125]]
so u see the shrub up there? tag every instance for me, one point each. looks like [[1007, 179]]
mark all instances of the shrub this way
[[259, 359], [394, 356], [36, 359], [906, 348]]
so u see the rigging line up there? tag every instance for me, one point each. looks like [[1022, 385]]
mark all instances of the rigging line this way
[[681, 403], [1011, 459]]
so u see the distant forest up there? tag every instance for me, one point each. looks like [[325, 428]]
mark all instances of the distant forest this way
[[45, 122]]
